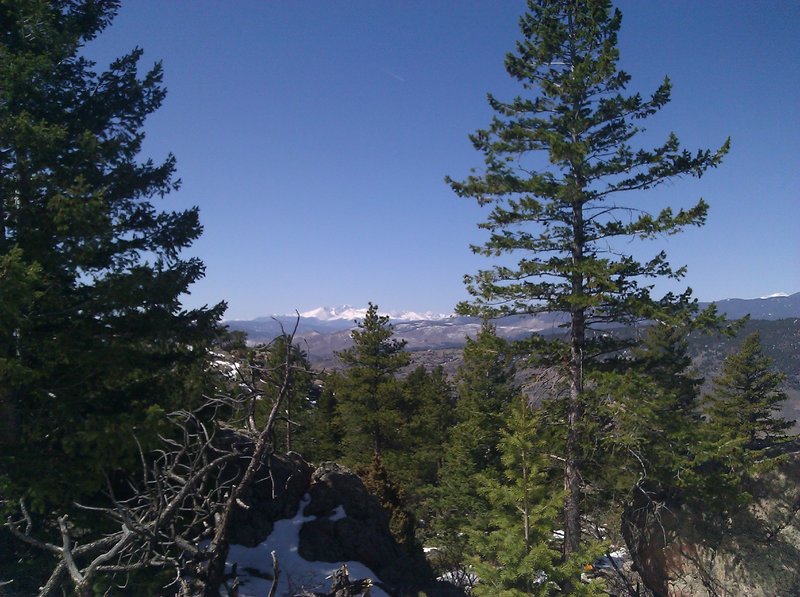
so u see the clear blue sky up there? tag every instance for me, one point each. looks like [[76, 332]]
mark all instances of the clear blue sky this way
[[315, 137]]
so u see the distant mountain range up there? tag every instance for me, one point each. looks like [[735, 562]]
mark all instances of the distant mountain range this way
[[325, 330], [348, 314], [777, 306], [436, 340]]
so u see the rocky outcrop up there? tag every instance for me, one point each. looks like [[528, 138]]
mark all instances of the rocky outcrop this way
[[756, 552], [341, 522], [351, 524], [280, 485]]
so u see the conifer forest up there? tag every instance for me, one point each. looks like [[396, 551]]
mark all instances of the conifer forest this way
[[142, 444]]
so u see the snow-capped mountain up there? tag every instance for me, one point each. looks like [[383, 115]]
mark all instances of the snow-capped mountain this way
[[350, 314], [775, 306], [325, 330]]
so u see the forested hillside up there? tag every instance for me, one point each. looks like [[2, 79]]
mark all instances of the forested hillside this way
[[616, 442]]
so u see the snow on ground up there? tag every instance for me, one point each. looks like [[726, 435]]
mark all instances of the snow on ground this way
[[615, 559], [225, 366], [294, 573]]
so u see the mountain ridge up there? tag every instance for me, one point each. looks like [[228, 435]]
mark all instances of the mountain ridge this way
[[323, 331]]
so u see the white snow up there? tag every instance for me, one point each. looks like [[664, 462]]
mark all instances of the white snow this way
[[775, 295], [338, 514], [225, 366], [294, 572], [618, 557], [347, 312]]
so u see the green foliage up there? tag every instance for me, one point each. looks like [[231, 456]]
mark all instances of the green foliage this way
[[428, 407], [370, 400], [321, 438], [648, 402], [557, 163], [378, 481], [293, 370], [92, 333], [747, 397], [780, 341], [485, 387], [518, 552], [231, 341], [744, 434]]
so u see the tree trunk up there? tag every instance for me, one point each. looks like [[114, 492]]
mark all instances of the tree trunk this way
[[572, 462], [572, 465]]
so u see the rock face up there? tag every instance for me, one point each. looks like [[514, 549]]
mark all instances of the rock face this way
[[757, 553], [352, 525], [279, 487], [349, 525]]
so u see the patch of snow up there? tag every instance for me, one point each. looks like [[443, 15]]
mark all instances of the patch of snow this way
[[226, 368], [335, 313], [463, 579], [295, 574], [775, 295], [338, 514], [615, 559]]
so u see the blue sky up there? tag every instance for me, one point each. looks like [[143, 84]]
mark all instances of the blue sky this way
[[315, 137]]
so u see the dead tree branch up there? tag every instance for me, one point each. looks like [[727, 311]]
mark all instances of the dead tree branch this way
[[178, 514]]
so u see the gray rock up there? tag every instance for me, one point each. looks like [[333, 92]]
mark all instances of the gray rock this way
[[362, 535], [757, 553], [280, 485]]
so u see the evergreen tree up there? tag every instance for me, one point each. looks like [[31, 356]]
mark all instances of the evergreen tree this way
[[561, 215], [650, 402], [485, 388], [322, 438], [745, 431], [294, 371], [380, 483], [428, 407], [95, 342], [368, 394], [517, 552]]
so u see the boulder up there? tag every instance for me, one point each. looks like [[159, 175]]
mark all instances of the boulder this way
[[351, 525], [361, 533], [279, 486], [345, 523], [756, 552]]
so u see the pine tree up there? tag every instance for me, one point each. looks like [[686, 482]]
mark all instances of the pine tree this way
[[561, 213], [368, 394], [745, 429], [485, 387], [517, 550], [651, 403], [322, 437], [294, 371], [96, 342], [428, 406]]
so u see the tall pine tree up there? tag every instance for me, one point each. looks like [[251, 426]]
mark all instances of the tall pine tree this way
[[95, 340], [557, 162]]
